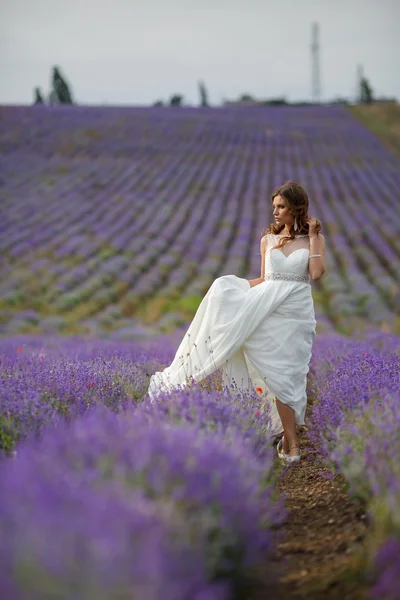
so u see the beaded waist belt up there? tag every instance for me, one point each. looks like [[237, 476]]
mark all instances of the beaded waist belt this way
[[287, 277]]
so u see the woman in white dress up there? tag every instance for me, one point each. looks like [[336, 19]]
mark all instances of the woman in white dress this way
[[261, 331]]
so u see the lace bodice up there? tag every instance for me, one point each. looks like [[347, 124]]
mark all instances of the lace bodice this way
[[289, 262]]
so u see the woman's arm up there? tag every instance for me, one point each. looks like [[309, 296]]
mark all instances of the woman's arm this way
[[316, 265], [263, 247]]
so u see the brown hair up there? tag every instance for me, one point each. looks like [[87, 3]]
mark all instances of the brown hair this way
[[297, 199]]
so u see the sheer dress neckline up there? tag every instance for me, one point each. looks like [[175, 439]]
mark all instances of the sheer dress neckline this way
[[302, 235], [300, 242]]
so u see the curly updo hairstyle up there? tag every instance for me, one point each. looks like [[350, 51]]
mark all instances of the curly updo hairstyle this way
[[297, 199]]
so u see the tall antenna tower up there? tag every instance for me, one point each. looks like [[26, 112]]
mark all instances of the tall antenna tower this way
[[316, 85]]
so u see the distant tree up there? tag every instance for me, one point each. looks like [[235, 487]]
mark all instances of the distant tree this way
[[340, 100], [176, 100], [60, 87], [246, 98], [203, 94], [276, 102], [301, 103], [53, 98], [158, 103], [38, 96], [366, 96]]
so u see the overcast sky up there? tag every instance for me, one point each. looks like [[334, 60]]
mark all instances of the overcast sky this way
[[138, 51]]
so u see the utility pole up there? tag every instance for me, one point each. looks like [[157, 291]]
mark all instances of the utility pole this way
[[316, 85]]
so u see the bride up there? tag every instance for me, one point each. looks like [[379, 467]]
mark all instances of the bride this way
[[260, 331]]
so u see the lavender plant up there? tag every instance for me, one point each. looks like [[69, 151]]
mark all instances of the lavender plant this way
[[202, 494], [355, 425], [38, 388]]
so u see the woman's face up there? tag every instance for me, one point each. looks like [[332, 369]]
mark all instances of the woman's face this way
[[281, 212]]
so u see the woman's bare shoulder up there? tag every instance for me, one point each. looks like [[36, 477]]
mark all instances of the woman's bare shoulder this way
[[264, 239]]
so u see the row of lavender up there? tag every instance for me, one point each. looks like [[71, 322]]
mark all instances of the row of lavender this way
[[170, 499], [104, 208], [355, 424]]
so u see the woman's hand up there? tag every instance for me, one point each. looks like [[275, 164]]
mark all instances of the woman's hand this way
[[313, 226]]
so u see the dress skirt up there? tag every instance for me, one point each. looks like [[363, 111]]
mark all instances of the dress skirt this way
[[261, 336]]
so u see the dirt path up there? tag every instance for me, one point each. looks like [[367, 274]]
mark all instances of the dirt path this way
[[319, 548]]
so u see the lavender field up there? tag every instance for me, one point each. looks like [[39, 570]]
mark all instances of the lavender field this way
[[114, 223], [117, 220]]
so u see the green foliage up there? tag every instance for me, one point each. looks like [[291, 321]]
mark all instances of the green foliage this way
[[69, 301], [203, 94], [13, 299], [8, 433], [176, 100], [60, 88], [246, 98], [189, 304], [276, 102], [38, 96], [366, 96]]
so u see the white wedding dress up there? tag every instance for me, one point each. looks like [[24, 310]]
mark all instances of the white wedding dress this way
[[261, 336]]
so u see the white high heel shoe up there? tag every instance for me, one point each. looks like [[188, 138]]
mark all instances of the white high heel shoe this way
[[292, 459], [279, 449]]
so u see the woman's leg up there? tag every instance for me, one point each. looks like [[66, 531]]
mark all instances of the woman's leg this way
[[286, 413]]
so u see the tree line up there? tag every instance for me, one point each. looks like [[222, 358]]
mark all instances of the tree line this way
[[60, 93]]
